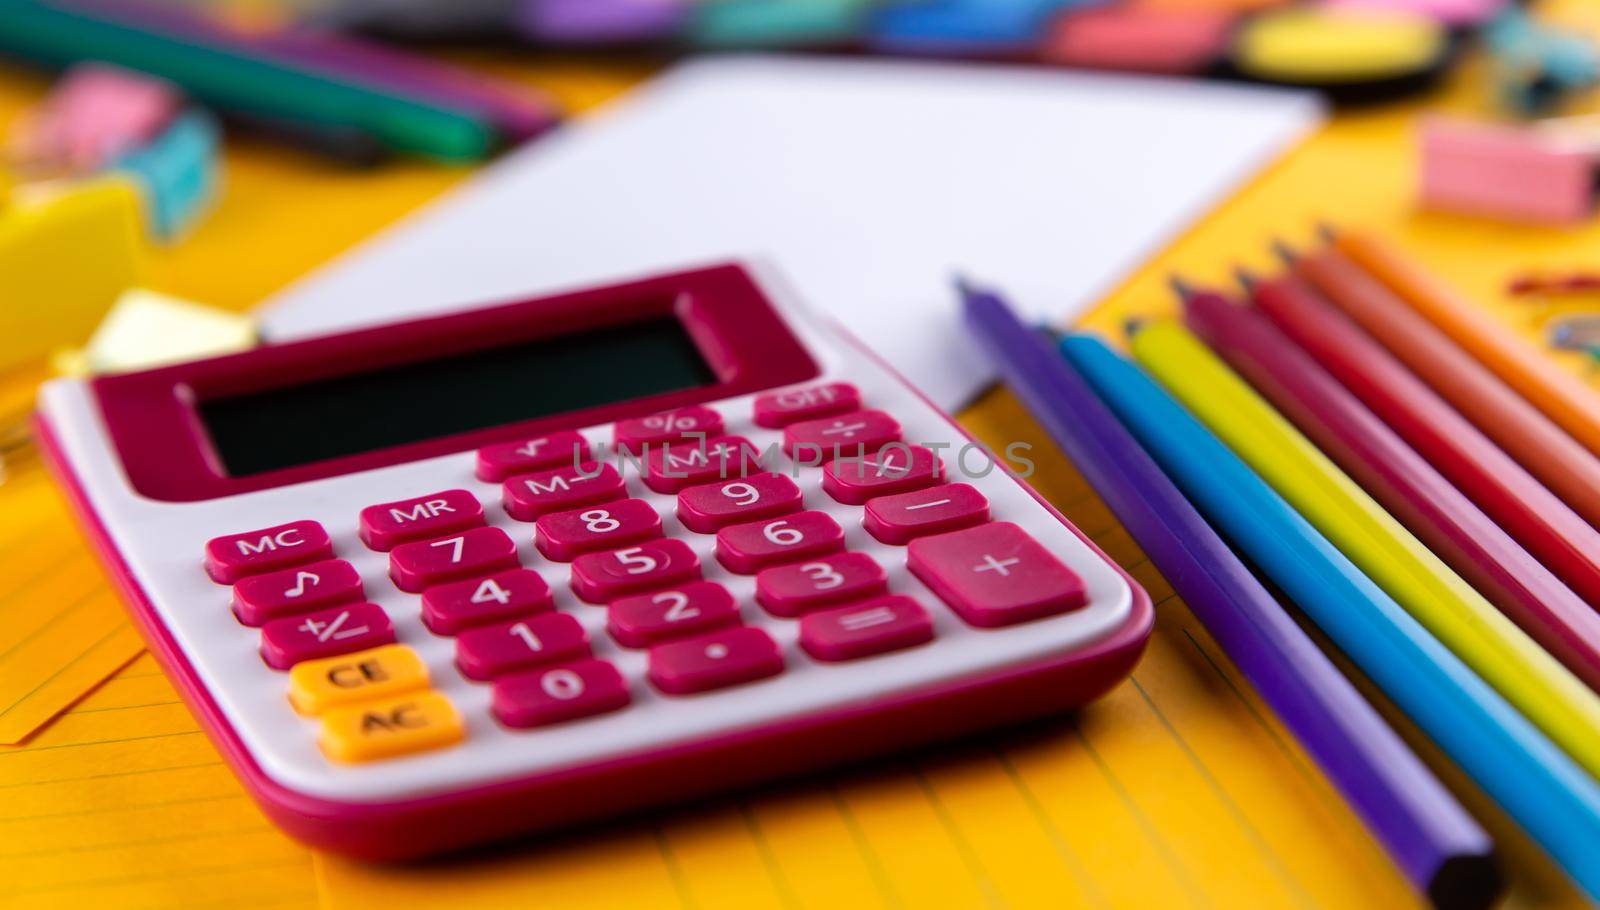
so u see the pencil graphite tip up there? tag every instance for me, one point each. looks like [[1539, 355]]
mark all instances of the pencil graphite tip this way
[[1179, 286], [1284, 251], [1133, 326], [1246, 278], [1327, 231]]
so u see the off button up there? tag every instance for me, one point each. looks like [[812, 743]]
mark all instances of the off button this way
[[390, 727], [315, 686]]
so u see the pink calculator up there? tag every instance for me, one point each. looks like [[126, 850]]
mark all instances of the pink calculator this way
[[448, 580]]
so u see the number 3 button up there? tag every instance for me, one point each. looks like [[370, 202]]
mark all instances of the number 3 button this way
[[793, 590]]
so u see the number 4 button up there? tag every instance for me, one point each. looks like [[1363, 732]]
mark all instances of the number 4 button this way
[[995, 575]]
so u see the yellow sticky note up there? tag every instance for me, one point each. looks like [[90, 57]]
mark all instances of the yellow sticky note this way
[[66, 251], [145, 329]]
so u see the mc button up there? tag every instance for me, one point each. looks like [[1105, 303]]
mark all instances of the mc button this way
[[317, 685], [393, 726]]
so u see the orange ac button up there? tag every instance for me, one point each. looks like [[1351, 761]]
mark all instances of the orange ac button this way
[[390, 727], [317, 685]]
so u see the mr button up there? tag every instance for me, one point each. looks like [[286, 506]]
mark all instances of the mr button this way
[[393, 726], [317, 685]]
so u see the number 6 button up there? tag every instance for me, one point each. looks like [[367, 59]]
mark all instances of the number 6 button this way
[[747, 548], [995, 575], [603, 577]]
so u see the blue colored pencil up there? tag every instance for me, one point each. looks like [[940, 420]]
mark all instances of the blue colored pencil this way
[[1433, 840], [1537, 785]]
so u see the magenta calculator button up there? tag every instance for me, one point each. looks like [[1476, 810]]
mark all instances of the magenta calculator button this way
[[298, 590], [422, 564], [386, 525], [325, 633], [527, 496], [489, 651], [995, 575], [862, 629], [502, 460], [233, 556], [645, 619], [710, 506], [896, 468], [858, 433], [563, 536], [550, 695], [748, 548], [603, 577], [669, 469], [802, 587], [712, 661], [779, 409], [449, 608], [899, 518], [694, 422]]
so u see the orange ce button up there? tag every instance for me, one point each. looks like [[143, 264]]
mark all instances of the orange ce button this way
[[317, 685]]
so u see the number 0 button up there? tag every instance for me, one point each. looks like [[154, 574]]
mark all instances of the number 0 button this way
[[713, 661], [555, 694]]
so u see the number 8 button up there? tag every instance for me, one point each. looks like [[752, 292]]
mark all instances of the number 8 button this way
[[562, 536]]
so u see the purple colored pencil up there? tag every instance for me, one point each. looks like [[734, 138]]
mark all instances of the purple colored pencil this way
[[1427, 833], [601, 21]]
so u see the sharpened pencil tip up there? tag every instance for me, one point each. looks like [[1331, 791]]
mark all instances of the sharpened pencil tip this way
[[1133, 325], [1284, 251], [1327, 231], [1246, 278], [1179, 286], [963, 284]]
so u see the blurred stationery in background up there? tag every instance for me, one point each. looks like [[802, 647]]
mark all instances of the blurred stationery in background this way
[[843, 173]]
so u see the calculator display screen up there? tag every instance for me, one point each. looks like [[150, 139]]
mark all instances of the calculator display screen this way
[[352, 414]]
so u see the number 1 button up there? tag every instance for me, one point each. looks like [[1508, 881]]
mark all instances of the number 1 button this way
[[496, 650], [995, 575]]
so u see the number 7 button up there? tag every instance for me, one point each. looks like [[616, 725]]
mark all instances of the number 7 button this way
[[995, 575]]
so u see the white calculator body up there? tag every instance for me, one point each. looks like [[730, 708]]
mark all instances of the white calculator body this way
[[452, 579]]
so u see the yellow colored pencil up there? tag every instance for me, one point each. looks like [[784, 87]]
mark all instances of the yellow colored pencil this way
[[1507, 659]]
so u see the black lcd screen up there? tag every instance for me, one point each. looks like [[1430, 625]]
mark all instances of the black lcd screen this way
[[349, 415]]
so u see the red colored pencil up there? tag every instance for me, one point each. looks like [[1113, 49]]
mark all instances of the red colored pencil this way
[[1402, 482], [1525, 508]]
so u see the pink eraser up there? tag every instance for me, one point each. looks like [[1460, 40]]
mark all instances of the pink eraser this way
[[97, 113], [1504, 172]]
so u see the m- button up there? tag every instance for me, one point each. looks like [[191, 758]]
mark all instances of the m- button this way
[[317, 685]]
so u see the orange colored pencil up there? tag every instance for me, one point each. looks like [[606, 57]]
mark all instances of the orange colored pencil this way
[[1570, 471], [1563, 397]]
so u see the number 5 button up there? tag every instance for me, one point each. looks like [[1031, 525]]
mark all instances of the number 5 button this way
[[603, 577], [995, 575]]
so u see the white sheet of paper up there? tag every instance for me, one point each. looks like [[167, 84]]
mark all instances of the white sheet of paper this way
[[870, 183]]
